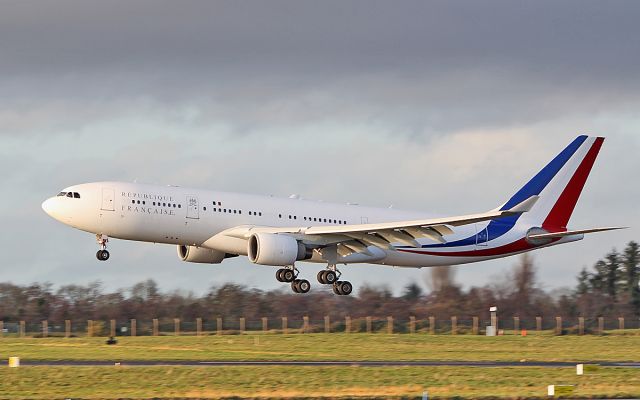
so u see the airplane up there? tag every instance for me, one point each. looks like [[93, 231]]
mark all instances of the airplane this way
[[211, 226]]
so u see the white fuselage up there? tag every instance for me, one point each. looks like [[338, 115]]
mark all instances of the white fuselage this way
[[192, 217]]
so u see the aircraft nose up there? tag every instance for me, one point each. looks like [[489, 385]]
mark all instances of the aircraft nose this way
[[47, 206]]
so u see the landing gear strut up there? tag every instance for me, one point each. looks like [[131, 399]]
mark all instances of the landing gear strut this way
[[102, 254], [290, 275], [330, 276]]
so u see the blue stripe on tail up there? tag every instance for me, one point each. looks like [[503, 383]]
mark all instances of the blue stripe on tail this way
[[534, 187]]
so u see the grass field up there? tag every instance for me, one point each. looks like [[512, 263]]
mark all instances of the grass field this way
[[307, 382], [280, 382], [315, 347]]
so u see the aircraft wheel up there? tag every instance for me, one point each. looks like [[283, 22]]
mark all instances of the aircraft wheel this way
[[322, 277], [337, 288], [330, 277], [279, 275], [294, 286], [102, 255], [346, 288], [303, 286], [288, 275]]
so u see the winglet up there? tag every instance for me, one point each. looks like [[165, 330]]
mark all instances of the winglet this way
[[525, 206]]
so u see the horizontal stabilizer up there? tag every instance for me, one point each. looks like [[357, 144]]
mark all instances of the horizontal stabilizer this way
[[525, 206], [553, 235]]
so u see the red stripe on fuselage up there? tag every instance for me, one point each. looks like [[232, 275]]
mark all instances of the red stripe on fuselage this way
[[561, 212], [515, 247]]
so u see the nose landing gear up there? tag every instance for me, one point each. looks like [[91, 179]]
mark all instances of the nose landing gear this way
[[102, 254]]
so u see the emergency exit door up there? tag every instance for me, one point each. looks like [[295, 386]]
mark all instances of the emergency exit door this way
[[108, 198], [193, 210]]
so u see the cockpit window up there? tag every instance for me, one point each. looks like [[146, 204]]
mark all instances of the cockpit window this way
[[76, 195], [61, 194], [70, 194]]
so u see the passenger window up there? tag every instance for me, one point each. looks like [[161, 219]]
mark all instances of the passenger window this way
[[239, 211], [144, 202], [325, 220], [279, 215], [133, 202], [260, 213], [204, 208], [219, 203], [174, 206], [294, 217], [179, 205]]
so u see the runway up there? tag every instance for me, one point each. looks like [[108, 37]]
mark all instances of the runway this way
[[200, 363]]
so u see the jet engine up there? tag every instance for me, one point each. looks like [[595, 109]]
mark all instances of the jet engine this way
[[200, 255], [277, 250]]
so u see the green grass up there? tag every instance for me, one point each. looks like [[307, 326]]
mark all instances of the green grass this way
[[330, 347], [328, 382], [308, 382]]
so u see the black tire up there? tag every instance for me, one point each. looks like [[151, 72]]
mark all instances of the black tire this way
[[288, 275], [330, 277], [102, 255], [279, 275], [321, 277], [303, 286], [294, 286], [346, 288], [337, 288]]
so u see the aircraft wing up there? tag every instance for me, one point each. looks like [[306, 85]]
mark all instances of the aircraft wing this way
[[356, 238]]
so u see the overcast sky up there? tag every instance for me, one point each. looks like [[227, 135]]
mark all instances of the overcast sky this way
[[442, 106]]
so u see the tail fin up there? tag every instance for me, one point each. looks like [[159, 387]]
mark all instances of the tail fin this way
[[559, 184]]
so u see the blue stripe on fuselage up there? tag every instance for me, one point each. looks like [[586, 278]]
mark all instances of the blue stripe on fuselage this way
[[534, 187]]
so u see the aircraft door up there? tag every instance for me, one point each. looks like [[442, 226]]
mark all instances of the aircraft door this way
[[108, 198], [192, 207], [482, 235]]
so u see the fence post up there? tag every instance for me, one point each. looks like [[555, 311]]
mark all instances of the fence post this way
[[45, 328], [284, 325], [176, 326], [412, 324], [454, 325], [1, 328], [22, 329], [475, 325], [368, 324], [621, 323], [516, 325], [347, 324], [558, 325], [538, 324], [242, 325], [198, 326], [90, 328], [265, 324], [580, 326], [305, 324], [327, 324], [432, 325], [389, 325], [156, 330], [601, 325], [219, 325], [113, 328]]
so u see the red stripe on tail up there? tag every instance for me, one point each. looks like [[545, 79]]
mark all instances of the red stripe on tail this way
[[562, 210]]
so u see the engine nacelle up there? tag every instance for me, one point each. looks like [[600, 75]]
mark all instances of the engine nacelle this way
[[277, 250], [200, 255]]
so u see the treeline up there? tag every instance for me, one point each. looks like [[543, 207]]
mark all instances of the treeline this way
[[610, 288]]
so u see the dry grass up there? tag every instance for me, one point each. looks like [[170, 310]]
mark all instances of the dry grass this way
[[308, 382], [319, 347]]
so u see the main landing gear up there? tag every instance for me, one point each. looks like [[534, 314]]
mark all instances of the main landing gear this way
[[102, 254], [290, 275], [330, 276]]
